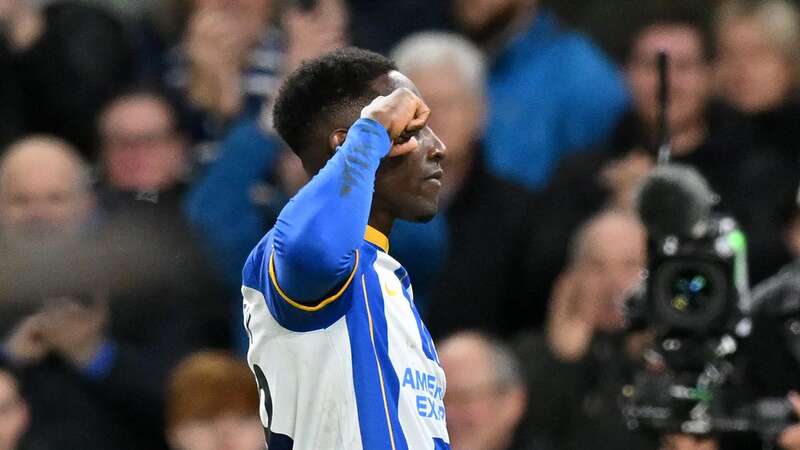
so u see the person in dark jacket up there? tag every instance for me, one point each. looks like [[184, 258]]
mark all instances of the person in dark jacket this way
[[576, 369], [66, 60]]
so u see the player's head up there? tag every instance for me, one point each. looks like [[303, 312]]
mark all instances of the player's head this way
[[321, 100]]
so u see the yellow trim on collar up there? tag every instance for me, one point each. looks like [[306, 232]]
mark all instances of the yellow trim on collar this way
[[299, 305], [374, 236]]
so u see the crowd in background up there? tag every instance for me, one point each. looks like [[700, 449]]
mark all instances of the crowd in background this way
[[138, 168]]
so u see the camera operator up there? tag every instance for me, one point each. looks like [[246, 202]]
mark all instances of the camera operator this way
[[575, 372]]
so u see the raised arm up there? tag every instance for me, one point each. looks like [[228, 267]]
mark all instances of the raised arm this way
[[317, 234]]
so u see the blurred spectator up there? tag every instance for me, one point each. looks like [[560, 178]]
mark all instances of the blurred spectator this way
[[44, 190], [688, 442], [372, 30], [213, 404], [14, 413], [65, 61], [550, 91], [231, 61], [486, 396], [227, 64], [238, 197], [576, 370], [482, 216], [759, 54], [92, 352], [704, 134], [759, 70], [142, 148], [772, 351]]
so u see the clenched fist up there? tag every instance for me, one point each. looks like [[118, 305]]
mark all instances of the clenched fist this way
[[402, 113]]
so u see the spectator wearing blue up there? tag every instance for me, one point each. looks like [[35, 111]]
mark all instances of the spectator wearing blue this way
[[550, 90], [468, 264]]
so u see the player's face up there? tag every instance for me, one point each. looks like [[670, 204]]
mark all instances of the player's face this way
[[408, 186]]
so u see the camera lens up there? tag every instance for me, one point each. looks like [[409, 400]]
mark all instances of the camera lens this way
[[691, 292]]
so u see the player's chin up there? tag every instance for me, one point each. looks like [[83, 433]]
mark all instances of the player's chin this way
[[426, 210]]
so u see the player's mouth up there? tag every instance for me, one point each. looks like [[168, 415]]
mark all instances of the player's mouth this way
[[435, 177]]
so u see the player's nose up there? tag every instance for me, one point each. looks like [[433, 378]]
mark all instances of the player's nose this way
[[438, 150]]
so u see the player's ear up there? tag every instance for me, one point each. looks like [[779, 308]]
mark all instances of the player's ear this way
[[336, 139]]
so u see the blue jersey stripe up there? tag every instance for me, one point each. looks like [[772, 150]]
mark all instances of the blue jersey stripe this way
[[438, 444], [375, 293], [424, 334], [376, 394]]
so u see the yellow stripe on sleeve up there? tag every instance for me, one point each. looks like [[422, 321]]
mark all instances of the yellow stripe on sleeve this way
[[299, 305]]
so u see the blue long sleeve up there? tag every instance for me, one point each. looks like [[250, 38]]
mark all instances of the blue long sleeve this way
[[318, 232]]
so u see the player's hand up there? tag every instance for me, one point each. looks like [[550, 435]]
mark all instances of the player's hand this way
[[25, 344], [402, 113], [790, 438]]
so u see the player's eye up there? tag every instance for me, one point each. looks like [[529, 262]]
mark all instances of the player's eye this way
[[404, 137]]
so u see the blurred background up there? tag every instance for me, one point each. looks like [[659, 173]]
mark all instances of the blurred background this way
[[138, 167]]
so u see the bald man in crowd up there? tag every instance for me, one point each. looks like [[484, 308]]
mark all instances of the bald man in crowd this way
[[486, 395], [92, 352], [44, 188], [576, 370]]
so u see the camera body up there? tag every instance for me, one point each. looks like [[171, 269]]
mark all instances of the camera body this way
[[697, 285], [696, 299]]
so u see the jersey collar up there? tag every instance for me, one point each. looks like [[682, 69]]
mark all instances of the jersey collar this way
[[377, 238]]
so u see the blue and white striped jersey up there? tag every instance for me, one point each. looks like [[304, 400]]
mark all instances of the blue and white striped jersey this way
[[359, 371]]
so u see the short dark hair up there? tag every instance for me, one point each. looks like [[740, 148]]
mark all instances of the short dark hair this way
[[330, 84], [689, 13]]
